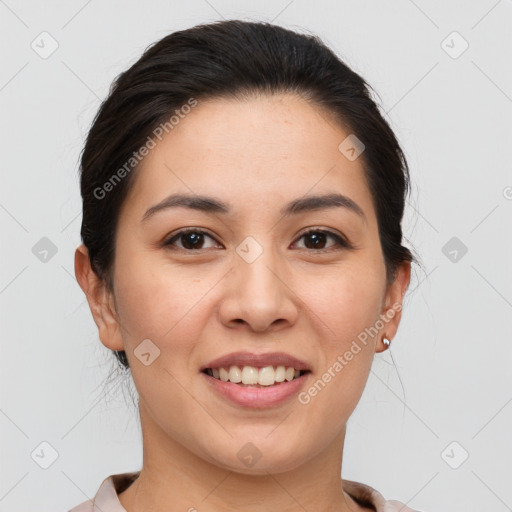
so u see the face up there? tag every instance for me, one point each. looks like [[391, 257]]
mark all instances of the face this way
[[255, 279]]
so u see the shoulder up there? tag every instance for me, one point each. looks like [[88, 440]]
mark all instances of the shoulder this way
[[397, 506], [369, 497], [86, 506], [106, 498]]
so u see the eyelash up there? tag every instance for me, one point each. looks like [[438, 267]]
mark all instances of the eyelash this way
[[340, 241]]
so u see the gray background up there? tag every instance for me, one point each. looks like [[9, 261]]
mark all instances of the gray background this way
[[452, 113]]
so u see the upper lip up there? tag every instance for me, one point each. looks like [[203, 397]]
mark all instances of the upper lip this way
[[257, 360]]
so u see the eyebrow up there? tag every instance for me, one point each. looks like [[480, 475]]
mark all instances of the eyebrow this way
[[212, 205]]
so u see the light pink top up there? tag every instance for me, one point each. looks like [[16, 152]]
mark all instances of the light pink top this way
[[106, 499]]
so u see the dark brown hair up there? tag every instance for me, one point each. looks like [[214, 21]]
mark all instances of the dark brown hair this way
[[232, 59]]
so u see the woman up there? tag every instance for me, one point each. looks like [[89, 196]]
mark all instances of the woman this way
[[242, 257]]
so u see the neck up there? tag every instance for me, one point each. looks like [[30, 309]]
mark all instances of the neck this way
[[173, 476]]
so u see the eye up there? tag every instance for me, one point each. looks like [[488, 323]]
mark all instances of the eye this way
[[316, 238], [193, 239]]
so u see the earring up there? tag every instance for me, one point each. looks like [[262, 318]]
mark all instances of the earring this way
[[386, 341]]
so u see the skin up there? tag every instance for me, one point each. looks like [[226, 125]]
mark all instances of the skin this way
[[255, 154]]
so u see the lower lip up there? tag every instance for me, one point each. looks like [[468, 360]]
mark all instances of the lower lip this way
[[258, 397]]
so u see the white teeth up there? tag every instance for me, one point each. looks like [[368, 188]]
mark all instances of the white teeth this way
[[266, 376], [280, 374], [250, 375], [235, 374]]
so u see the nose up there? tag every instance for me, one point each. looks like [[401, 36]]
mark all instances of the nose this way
[[259, 295]]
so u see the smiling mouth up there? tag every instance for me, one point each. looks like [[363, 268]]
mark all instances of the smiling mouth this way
[[255, 377]]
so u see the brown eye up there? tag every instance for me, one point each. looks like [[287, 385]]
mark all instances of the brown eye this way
[[191, 239], [316, 239]]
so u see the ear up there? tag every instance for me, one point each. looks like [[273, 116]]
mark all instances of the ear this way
[[101, 301], [392, 311]]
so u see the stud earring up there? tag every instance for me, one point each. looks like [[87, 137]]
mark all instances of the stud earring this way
[[386, 341]]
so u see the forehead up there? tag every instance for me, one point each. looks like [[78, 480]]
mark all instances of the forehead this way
[[266, 150]]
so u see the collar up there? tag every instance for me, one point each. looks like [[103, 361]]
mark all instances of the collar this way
[[107, 500]]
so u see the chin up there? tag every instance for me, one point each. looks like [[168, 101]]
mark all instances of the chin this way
[[259, 458]]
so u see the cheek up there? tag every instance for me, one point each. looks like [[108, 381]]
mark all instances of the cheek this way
[[168, 308], [159, 303], [347, 300], [345, 311]]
